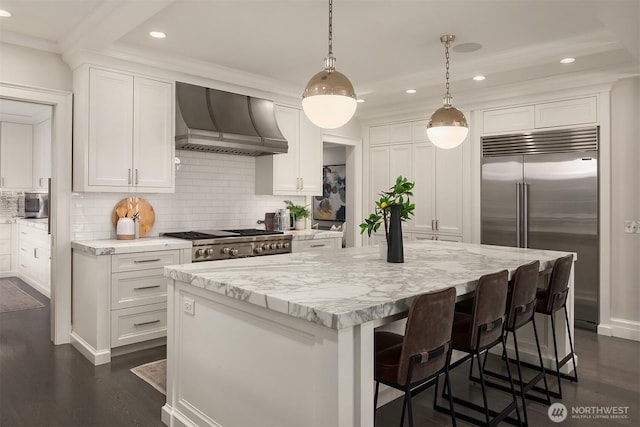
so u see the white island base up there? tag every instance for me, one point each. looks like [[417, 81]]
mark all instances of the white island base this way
[[241, 361]]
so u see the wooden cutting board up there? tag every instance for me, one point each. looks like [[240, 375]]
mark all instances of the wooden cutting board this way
[[147, 215]]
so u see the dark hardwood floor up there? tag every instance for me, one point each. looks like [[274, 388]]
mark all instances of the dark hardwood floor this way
[[46, 385]]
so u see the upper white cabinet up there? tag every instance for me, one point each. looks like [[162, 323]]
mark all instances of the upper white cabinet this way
[[438, 177], [123, 132], [299, 171], [41, 154], [389, 134], [577, 111], [16, 148]]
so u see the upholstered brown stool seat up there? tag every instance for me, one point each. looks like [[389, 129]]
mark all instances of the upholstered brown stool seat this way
[[413, 362]]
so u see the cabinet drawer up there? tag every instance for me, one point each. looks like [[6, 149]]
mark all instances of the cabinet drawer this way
[[134, 288], [315, 244], [136, 324], [33, 235], [5, 247], [5, 262], [144, 260]]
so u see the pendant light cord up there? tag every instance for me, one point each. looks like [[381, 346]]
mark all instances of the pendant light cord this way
[[330, 60], [446, 40]]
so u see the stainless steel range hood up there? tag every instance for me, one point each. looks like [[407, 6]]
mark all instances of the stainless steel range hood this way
[[222, 122]]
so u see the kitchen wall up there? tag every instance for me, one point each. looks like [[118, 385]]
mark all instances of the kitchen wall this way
[[35, 68], [625, 204], [212, 191]]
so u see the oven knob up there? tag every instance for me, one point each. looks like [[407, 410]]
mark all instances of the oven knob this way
[[226, 250], [279, 245], [285, 245], [209, 252], [234, 252], [265, 247], [257, 250], [199, 253], [273, 246]]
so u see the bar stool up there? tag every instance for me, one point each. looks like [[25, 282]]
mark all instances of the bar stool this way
[[521, 303], [411, 362], [476, 333], [551, 300]]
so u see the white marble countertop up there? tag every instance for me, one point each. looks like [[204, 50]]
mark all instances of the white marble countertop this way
[[113, 246], [346, 287], [39, 223], [314, 234]]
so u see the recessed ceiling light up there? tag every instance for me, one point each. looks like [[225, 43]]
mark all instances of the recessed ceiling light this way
[[410, 91], [157, 34], [567, 60], [479, 78], [360, 101], [4, 13]]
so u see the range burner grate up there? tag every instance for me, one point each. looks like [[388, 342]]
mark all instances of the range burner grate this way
[[253, 232]]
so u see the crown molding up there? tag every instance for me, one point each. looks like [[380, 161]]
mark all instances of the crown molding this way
[[10, 37]]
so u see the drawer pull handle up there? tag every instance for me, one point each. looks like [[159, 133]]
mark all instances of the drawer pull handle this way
[[138, 261], [146, 287], [317, 246], [146, 323]]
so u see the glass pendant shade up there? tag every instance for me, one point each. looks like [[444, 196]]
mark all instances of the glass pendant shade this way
[[447, 127], [329, 100]]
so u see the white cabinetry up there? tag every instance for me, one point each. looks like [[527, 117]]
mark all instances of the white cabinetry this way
[[41, 154], [120, 300], [578, 111], [33, 257], [438, 177], [299, 171], [16, 148], [318, 243], [123, 132], [5, 249]]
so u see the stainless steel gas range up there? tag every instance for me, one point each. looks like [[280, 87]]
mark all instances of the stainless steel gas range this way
[[212, 245]]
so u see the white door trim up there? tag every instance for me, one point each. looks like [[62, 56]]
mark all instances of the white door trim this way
[[61, 123]]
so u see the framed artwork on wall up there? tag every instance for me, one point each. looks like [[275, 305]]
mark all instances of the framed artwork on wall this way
[[332, 204]]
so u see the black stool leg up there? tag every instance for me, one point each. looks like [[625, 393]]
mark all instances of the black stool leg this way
[[520, 380], [555, 352], [484, 391], [513, 388], [375, 402], [544, 375], [453, 413], [407, 396], [573, 359]]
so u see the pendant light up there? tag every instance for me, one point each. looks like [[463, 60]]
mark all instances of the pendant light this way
[[447, 127], [329, 100]]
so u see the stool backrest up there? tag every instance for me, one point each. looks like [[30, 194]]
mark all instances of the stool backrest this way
[[429, 325], [489, 307], [523, 295], [559, 283]]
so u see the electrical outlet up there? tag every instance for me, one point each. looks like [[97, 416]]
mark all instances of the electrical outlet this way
[[189, 306], [632, 226]]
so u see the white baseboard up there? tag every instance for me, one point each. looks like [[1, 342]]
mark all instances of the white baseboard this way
[[96, 357], [620, 328], [35, 285]]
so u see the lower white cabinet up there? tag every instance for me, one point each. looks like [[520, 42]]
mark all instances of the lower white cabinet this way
[[120, 301], [34, 257], [5, 248], [316, 244]]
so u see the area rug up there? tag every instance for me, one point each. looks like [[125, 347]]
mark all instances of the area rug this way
[[154, 373], [12, 298]]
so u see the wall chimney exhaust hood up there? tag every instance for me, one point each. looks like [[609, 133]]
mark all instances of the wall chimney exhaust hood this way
[[215, 121]]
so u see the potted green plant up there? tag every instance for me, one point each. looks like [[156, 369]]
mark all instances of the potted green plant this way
[[393, 207], [299, 214]]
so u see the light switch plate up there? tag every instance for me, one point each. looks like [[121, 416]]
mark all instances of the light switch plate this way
[[632, 226]]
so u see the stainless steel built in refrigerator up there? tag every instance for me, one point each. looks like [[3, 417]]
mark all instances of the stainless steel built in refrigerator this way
[[540, 190]]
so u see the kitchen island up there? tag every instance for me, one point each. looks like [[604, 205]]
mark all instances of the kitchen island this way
[[287, 340]]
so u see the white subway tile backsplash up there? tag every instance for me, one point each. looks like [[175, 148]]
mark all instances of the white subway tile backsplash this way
[[213, 191]]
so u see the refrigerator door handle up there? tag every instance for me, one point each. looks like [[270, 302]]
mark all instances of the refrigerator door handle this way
[[518, 214], [525, 213]]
